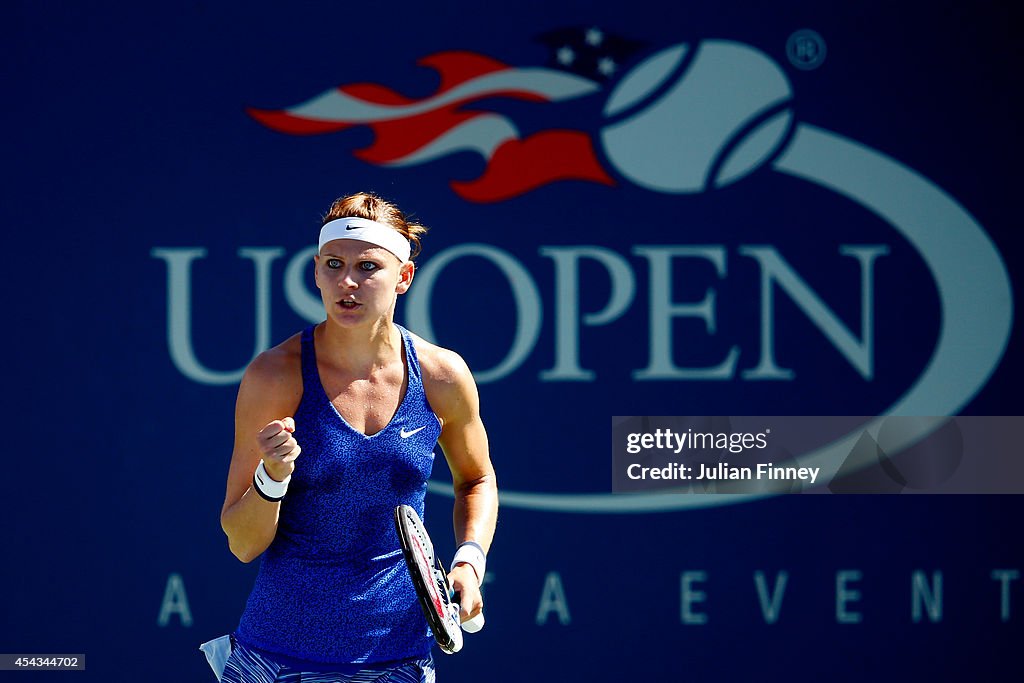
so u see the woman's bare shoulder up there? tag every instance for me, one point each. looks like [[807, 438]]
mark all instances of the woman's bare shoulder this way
[[447, 382], [438, 364], [276, 374]]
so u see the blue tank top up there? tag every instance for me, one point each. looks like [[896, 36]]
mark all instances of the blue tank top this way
[[333, 587]]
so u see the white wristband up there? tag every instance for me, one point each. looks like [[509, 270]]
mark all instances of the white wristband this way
[[472, 554], [269, 488]]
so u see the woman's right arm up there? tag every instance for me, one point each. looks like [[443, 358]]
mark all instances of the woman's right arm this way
[[267, 398]]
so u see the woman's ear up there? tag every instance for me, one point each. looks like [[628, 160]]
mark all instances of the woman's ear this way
[[405, 275]]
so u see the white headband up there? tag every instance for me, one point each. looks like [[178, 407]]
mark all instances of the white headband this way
[[367, 231]]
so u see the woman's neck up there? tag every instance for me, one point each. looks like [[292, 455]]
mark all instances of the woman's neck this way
[[361, 349]]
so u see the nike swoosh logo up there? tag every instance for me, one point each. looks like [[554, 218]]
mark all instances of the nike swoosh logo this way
[[405, 435], [352, 227]]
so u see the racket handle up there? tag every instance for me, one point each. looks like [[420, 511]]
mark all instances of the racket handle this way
[[473, 625], [470, 625]]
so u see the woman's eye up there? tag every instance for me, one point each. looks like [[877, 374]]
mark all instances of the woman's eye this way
[[333, 263], [368, 265]]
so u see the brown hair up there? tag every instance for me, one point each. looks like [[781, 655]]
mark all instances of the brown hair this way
[[370, 206]]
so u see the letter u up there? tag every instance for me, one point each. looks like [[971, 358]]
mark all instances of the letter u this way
[[179, 309]]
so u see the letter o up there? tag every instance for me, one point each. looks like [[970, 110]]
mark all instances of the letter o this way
[[524, 291]]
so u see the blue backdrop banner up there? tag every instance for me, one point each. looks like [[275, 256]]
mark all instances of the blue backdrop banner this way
[[711, 208]]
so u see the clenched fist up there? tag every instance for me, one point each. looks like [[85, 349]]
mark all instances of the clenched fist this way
[[278, 448]]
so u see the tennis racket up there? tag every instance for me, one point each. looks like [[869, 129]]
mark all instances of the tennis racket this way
[[431, 581]]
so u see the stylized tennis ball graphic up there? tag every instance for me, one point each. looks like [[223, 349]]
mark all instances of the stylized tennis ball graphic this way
[[692, 118]]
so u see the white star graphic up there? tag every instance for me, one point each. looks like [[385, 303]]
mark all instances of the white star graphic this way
[[566, 56], [594, 37], [606, 66]]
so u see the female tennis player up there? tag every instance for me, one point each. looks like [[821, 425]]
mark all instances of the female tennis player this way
[[333, 429]]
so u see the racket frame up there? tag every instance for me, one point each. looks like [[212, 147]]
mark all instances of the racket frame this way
[[429, 579]]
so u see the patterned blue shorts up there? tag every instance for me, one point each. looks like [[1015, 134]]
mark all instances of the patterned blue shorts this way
[[247, 666]]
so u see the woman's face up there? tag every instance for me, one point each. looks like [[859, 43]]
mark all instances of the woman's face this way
[[359, 281]]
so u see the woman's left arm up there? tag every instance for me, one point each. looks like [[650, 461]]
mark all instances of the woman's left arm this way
[[453, 395]]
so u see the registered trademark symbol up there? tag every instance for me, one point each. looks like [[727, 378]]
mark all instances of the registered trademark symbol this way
[[806, 49]]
